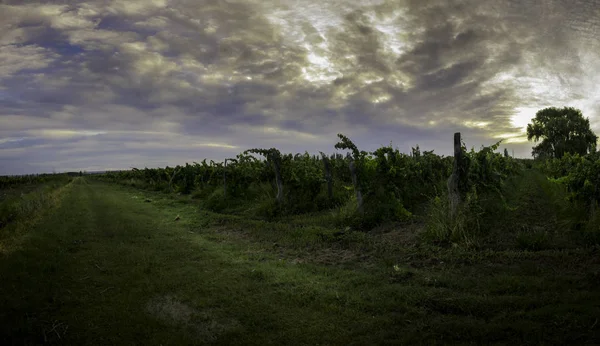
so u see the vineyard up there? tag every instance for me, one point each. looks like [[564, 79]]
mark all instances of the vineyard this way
[[264, 248], [455, 197]]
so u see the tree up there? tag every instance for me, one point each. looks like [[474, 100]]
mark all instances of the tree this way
[[561, 130]]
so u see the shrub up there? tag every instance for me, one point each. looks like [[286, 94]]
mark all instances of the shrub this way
[[216, 201]]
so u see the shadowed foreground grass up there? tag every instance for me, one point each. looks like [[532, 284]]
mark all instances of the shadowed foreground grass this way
[[112, 265]]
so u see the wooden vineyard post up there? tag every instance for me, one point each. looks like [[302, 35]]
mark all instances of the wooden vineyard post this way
[[455, 177], [359, 198]]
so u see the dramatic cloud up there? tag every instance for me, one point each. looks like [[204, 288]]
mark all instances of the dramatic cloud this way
[[110, 84]]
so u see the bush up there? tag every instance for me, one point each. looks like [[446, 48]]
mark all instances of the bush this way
[[265, 205], [216, 201]]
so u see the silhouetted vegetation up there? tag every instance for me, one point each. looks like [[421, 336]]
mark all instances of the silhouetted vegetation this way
[[561, 131]]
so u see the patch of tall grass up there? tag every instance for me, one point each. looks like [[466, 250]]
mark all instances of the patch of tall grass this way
[[461, 228], [20, 207]]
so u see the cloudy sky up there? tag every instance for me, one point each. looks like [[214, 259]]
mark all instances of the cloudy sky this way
[[113, 84]]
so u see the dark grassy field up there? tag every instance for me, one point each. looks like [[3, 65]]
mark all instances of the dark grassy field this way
[[108, 265]]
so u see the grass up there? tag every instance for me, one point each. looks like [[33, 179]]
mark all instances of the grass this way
[[112, 265], [21, 206]]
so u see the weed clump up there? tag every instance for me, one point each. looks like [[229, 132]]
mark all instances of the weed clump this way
[[443, 228]]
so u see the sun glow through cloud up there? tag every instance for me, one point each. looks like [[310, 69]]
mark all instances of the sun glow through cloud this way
[[523, 117]]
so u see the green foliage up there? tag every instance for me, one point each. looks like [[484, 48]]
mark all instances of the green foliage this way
[[561, 131], [304, 180], [531, 202], [266, 205], [462, 228], [390, 181], [487, 170], [533, 239], [383, 198], [21, 202], [580, 174], [423, 175], [346, 143], [394, 185], [482, 189], [591, 231], [462, 167], [216, 201], [17, 181], [346, 214]]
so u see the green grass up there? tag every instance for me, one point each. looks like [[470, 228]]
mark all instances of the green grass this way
[[20, 206], [112, 265]]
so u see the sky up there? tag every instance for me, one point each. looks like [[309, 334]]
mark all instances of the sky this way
[[113, 84]]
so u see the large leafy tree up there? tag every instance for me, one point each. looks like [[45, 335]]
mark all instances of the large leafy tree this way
[[561, 130]]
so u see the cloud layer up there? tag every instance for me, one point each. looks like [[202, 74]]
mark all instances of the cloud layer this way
[[108, 84]]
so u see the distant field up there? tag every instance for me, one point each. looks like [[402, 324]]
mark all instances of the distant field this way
[[108, 264]]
